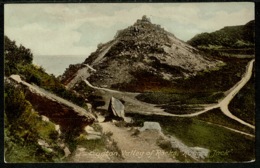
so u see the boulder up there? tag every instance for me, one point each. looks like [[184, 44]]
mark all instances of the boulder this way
[[88, 128], [93, 137], [151, 126], [52, 107], [100, 118], [197, 153], [89, 106], [94, 133], [66, 151], [57, 128], [44, 118], [44, 145], [128, 119], [116, 109], [91, 133], [201, 153]]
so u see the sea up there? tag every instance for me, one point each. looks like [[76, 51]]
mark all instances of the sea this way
[[57, 64]]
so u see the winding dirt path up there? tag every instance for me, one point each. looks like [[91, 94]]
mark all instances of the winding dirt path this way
[[131, 103], [141, 148], [225, 102], [146, 108], [231, 129]]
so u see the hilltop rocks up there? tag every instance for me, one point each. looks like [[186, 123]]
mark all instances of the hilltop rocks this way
[[142, 57]]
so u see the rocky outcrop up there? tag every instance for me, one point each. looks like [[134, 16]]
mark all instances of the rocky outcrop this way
[[141, 56], [60, 111], [151, 126], [196, 153], [116, 109], [57, 127], [44, 145], [91, 133]]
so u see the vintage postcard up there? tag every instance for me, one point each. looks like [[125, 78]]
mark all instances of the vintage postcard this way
[[129, 82]]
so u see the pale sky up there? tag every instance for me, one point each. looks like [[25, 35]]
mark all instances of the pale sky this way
[[76, 29]]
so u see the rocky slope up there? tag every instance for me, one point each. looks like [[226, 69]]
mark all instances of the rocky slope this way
[[59, 110], [141, 57]]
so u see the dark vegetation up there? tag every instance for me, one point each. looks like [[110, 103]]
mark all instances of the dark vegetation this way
[[18, 60], [93, 96], [237, 40], [162, 98], [225, 145], [229, 37], [23, 127], [216, 116], [69, 73], [180, 103], [243, 104], [181, 109], [216, 80], [15, 55]]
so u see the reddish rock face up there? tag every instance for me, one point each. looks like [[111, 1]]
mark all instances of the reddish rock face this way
[[62, 112], [58, 113]]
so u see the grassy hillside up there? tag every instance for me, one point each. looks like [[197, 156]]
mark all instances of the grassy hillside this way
[[23, 125], [23, 128], [206, 87], [18, 60], [224, 145], [228, 37]]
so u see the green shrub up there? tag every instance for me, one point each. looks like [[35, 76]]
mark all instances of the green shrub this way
[[15, 55], [23, 128], [15, 103]]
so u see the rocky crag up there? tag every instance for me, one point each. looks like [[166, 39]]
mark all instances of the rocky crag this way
[[62, 112], [139, 58]]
